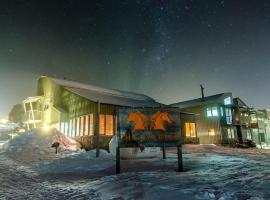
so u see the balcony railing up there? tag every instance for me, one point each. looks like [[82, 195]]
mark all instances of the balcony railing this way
[[32, 117]]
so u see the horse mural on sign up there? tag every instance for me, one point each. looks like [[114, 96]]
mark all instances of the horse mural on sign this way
[[139, 120], [158, 121], [143, 123]]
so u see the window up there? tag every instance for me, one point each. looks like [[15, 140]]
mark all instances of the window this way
[[228, 101], [109, 125], [212, 112], [81, 126], [228, 112], [77, 127], [211, 132], [190, 129], [91, 124], [221, 111], [230, 133], [106, 125], [209, 112], [102, 124], [249, 135]]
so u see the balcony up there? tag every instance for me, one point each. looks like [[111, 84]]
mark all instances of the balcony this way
[[32, 117]]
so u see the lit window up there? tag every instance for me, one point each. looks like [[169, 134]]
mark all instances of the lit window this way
[[211, 132], [228, 113], [102, 124], [230, 133], [106, 124], [209, 112], [91, 124], [78, 127], [86, 126], [81, 126], [214, 111], [221, 111], [228, 101], [190, 129], [109, 125]]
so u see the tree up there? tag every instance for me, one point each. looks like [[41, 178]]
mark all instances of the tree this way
[[16, 114]]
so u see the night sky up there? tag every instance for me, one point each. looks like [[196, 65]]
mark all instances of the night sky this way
[[162, 48]]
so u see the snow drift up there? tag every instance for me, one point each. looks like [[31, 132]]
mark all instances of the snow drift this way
[[36, 145]]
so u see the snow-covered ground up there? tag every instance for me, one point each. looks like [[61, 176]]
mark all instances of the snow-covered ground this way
[[210, 172]]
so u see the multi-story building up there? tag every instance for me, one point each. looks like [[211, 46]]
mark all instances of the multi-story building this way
[[221, 119]]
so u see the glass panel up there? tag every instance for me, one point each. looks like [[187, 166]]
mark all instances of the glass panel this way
[[81, 125], [209, 112], [109, 125], [221, 111], [73, 127], [187, 129], [78, 127], [228, 115], [214, 111], [211, 132], [86, 126], [91, 124], [228, 101], [102, 124], [190, 129]]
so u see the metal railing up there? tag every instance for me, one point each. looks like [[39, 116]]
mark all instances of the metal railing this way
[[32, 117]]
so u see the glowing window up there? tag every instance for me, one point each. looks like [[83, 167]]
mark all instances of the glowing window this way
[[106, 124], [230, 133], [214, 111], [211, 132], [77, 127], [102, 124], [209, 112], [221, 111], [81, 126], [109, 125], [190, 129], [228, 113], [91, 124], [228, 101]]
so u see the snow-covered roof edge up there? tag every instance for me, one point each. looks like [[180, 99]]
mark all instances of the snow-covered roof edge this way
[[106, 91]]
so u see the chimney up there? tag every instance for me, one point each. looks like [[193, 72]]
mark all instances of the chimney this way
[[202, 91]]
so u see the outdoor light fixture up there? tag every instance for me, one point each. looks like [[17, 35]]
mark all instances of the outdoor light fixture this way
[[3, 121], [45, 127]]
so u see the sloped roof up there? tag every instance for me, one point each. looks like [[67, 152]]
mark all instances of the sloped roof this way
[[107, 96], [198, 101]]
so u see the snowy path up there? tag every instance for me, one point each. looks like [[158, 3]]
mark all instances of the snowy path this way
[[210, 173]]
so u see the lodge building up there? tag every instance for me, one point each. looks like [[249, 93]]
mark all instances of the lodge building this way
[[79, 110]]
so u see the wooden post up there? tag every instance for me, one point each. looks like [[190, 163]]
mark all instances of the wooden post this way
[[180, 159], [97, 128], [164, 152], [118, 160]]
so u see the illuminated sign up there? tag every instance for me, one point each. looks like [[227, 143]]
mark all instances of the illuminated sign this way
[[151, 127]]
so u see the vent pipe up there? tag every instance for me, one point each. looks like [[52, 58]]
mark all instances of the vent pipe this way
[[202, 91]]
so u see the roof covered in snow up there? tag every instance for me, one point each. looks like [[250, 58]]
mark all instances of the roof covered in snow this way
[[107, 96], [207, 100]]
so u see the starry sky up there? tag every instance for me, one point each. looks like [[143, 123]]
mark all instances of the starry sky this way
[[162, 48]]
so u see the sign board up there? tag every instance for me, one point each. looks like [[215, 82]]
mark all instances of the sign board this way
[[150, 127]]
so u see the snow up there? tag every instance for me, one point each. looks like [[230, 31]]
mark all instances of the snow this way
[[210, 172], [131, 153], [36, 145]]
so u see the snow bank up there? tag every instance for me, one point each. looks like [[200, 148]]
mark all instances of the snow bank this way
[[36, 145]]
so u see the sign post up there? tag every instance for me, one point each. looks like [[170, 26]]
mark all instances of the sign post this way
[[149, 127]]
